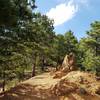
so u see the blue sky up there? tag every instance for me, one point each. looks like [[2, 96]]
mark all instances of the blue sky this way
[[75, 15]]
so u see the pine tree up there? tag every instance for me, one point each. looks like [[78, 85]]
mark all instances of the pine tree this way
[[91, 48]]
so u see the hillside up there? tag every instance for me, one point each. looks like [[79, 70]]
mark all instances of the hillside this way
[[75, 85]]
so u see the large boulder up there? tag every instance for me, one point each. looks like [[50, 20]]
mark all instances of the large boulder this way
[[69, 64]]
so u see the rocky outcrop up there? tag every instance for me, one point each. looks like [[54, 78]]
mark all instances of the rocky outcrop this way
[[68, 65]]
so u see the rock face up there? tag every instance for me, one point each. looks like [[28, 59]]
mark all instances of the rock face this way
[[69, 64]]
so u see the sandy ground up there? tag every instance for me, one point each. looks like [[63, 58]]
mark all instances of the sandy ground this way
[[45, 80], [40, 88]]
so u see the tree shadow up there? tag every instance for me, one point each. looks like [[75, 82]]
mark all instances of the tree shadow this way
[[27, 92], [38, 92]]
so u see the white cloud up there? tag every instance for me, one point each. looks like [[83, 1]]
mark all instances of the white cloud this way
[[62, 12], [61, 1], [81, 2], [75, 1]]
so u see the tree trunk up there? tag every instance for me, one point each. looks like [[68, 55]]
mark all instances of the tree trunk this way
[[43, 63], [58, 67], [34, 63], [3, 84], [96, 47], [33, 70]]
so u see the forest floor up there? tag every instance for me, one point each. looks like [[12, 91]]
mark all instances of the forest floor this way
[[75, 85]]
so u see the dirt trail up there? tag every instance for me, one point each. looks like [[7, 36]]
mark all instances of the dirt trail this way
[[44, 87], [45, 80], [36, 88]]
